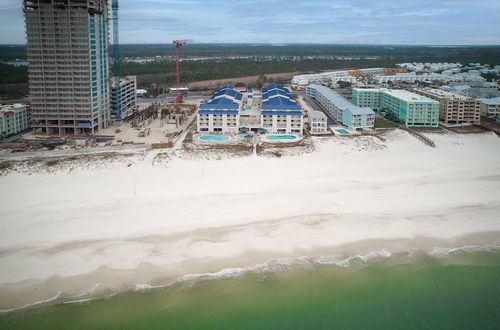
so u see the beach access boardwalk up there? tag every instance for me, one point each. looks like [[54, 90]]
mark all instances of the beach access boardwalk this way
[[419, 136]]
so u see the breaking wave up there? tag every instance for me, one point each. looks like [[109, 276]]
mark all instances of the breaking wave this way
[[271, 266]]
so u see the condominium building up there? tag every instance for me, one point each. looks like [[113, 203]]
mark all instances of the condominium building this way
[[340, 109], [413, 109], [454, 108], [128, 96], [279, 112], [67, 50], [14, 119], [491, 107], [221, 113], [318, 122], [369, 98]]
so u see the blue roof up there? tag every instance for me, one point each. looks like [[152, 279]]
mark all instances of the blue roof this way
[[273, 86], [219, 106], [227, 92], [217, 112], [281, 107], [281, 113], [279, 100], [274, 92]]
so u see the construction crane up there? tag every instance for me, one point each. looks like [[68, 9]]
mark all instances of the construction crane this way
[[177, 45], [116, 60]]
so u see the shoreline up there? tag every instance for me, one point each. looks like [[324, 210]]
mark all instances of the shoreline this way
[[95, 232], [361, 253]]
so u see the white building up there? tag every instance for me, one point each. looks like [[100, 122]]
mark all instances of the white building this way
[[221, 114], [334, 77], [279, 112], [318, 122], [141, 92], [490, 107], [14, 119], [128, 96]]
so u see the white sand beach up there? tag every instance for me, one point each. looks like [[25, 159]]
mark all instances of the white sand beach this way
[[87, 233]]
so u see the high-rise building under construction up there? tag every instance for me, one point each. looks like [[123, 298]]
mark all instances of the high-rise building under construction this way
[[67, 49]]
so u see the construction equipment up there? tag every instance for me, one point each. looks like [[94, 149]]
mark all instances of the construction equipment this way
[[116, 60], [178, 44], [145, 132]]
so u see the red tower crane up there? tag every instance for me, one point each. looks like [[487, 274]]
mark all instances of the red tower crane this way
[[177, 45]]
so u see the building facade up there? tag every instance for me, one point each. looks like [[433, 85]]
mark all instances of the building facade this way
[[318, 122], [67, 51], [491, 107], [369, 98], [412, 109], [221, 114], [128, 96], [14, 119], [279, 112], [338, 108], [454, 108]]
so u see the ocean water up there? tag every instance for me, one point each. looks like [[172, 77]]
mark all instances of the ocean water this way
[[450, 290]]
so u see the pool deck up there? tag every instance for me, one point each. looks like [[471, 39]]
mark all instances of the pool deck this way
[[264, 138], [335, 130]]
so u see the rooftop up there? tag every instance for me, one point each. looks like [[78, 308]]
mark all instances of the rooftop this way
[[317, 114], [493, 101], [442, 93], [340, 102], [408, 96]]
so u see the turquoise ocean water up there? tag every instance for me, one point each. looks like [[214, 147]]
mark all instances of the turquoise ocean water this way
[[460, 290]]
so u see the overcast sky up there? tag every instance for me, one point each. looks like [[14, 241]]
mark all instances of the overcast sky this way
[[438, 22]]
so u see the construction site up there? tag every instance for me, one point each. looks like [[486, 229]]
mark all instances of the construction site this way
[[93, 115]]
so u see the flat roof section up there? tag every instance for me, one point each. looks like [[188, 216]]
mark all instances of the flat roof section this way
[[408, 96], [443, 94], [340, 102]]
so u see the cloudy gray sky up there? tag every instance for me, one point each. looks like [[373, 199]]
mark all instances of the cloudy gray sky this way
[[455, 22]]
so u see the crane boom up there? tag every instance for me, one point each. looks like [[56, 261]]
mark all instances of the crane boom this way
[[178, 44]]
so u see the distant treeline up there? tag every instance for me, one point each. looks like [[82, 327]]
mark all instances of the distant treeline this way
[[463, 54], [163, 72], [264, 59]]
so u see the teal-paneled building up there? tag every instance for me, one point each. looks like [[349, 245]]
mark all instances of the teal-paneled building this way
[[413, 109]]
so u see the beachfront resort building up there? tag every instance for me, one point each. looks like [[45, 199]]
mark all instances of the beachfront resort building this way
[[221, 114], [318, 122], [14, 119], [454, 108], [490, 107], [340, 109], [68, 71], [273, 110], [128, 96], [413, 109], [279, 111], [369, 98]]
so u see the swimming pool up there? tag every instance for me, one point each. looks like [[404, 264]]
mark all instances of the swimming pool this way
[[281, 137], [213, 138], [247, 108], [245, 136], [342, 131]]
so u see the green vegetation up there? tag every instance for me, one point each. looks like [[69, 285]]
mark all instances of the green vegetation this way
[[344, 84], [390, 116], [220, 61], [384, 123]]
